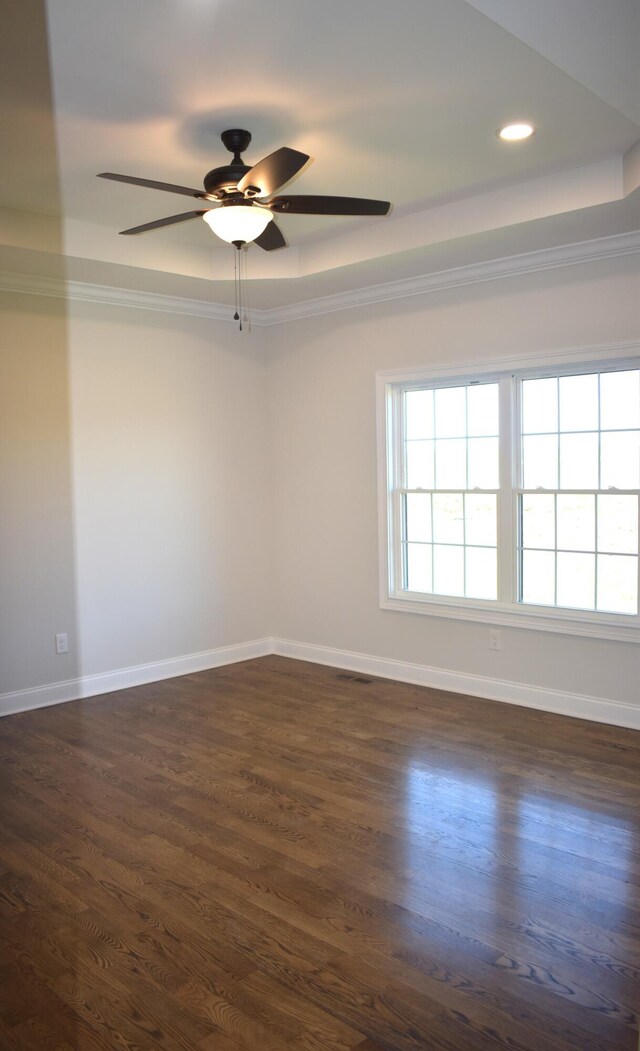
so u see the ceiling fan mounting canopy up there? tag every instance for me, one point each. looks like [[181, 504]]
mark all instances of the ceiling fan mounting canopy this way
[[236, 139], [239, 184]]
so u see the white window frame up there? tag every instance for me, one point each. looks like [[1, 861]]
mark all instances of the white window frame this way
[[503, 612]]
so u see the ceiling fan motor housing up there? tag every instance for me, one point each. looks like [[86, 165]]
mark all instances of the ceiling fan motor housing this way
[[228, 176], [225, 178]]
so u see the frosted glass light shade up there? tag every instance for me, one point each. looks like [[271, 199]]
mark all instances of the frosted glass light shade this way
[[238, 222]]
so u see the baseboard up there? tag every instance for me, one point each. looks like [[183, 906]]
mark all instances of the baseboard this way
[[123, 678], [597, 709], [580, 706]]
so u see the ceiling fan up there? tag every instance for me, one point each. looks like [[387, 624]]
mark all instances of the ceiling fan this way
[[241, 198]]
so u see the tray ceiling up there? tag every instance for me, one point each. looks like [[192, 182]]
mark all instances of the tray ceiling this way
[[396, 102]]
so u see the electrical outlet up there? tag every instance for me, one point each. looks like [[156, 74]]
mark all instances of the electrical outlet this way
[[494, 639], [62, 643]]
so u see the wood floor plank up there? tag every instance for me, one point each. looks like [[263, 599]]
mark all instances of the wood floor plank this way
[[278, 855]]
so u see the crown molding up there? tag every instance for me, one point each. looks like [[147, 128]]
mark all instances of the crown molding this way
[[123, 297], [83, 292], [510, 266], [457, 277]]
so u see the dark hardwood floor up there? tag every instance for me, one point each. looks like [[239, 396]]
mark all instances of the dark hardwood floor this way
[[275, 855]]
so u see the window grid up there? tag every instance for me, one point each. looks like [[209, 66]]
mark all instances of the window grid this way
[[596, 551], [509, 512], [595, 516], [433, 543], [432, 552], [558, 468], [599, 445], [437, 489]]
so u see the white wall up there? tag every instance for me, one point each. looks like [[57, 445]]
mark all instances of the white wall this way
[[37, 558], [324, 454], [134, 475], [170, 478], [172, 487]]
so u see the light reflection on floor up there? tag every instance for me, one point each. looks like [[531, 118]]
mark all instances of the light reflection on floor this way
[[528, 869]]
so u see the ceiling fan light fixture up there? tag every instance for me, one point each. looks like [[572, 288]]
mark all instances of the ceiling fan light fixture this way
[[238, 222], [516, 132]]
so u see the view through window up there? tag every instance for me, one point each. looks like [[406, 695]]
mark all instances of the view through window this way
[[518, 491]]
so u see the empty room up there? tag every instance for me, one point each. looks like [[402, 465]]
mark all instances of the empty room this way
[[319, 525]]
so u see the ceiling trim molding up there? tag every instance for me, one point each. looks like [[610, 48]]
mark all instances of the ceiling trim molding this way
[[83, 292], [510, 266]]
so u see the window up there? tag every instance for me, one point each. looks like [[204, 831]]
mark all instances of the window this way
[[514, 497], [448, 502], [579, 536]]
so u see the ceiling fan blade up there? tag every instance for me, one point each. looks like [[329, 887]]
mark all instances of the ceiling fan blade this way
[[269, 174], [271, 238], [169, 221], [319, 205], [171, 187]]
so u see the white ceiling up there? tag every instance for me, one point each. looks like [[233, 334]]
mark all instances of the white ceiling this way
[[399, 102]]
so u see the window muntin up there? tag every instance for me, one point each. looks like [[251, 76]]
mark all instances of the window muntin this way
[[558, 558], [578, 512], [450, 466]]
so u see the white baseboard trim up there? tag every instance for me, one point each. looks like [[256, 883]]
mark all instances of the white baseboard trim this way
[[123, 678], [597, 709]]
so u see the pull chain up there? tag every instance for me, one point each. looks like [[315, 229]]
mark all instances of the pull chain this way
[[247, 309], [236, 284], [239, 288], [242, 313], [236, 316]]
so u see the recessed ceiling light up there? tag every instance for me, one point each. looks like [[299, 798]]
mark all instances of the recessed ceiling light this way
[[515, 132]]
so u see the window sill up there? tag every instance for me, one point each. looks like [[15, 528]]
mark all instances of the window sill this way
[[563, 622]]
